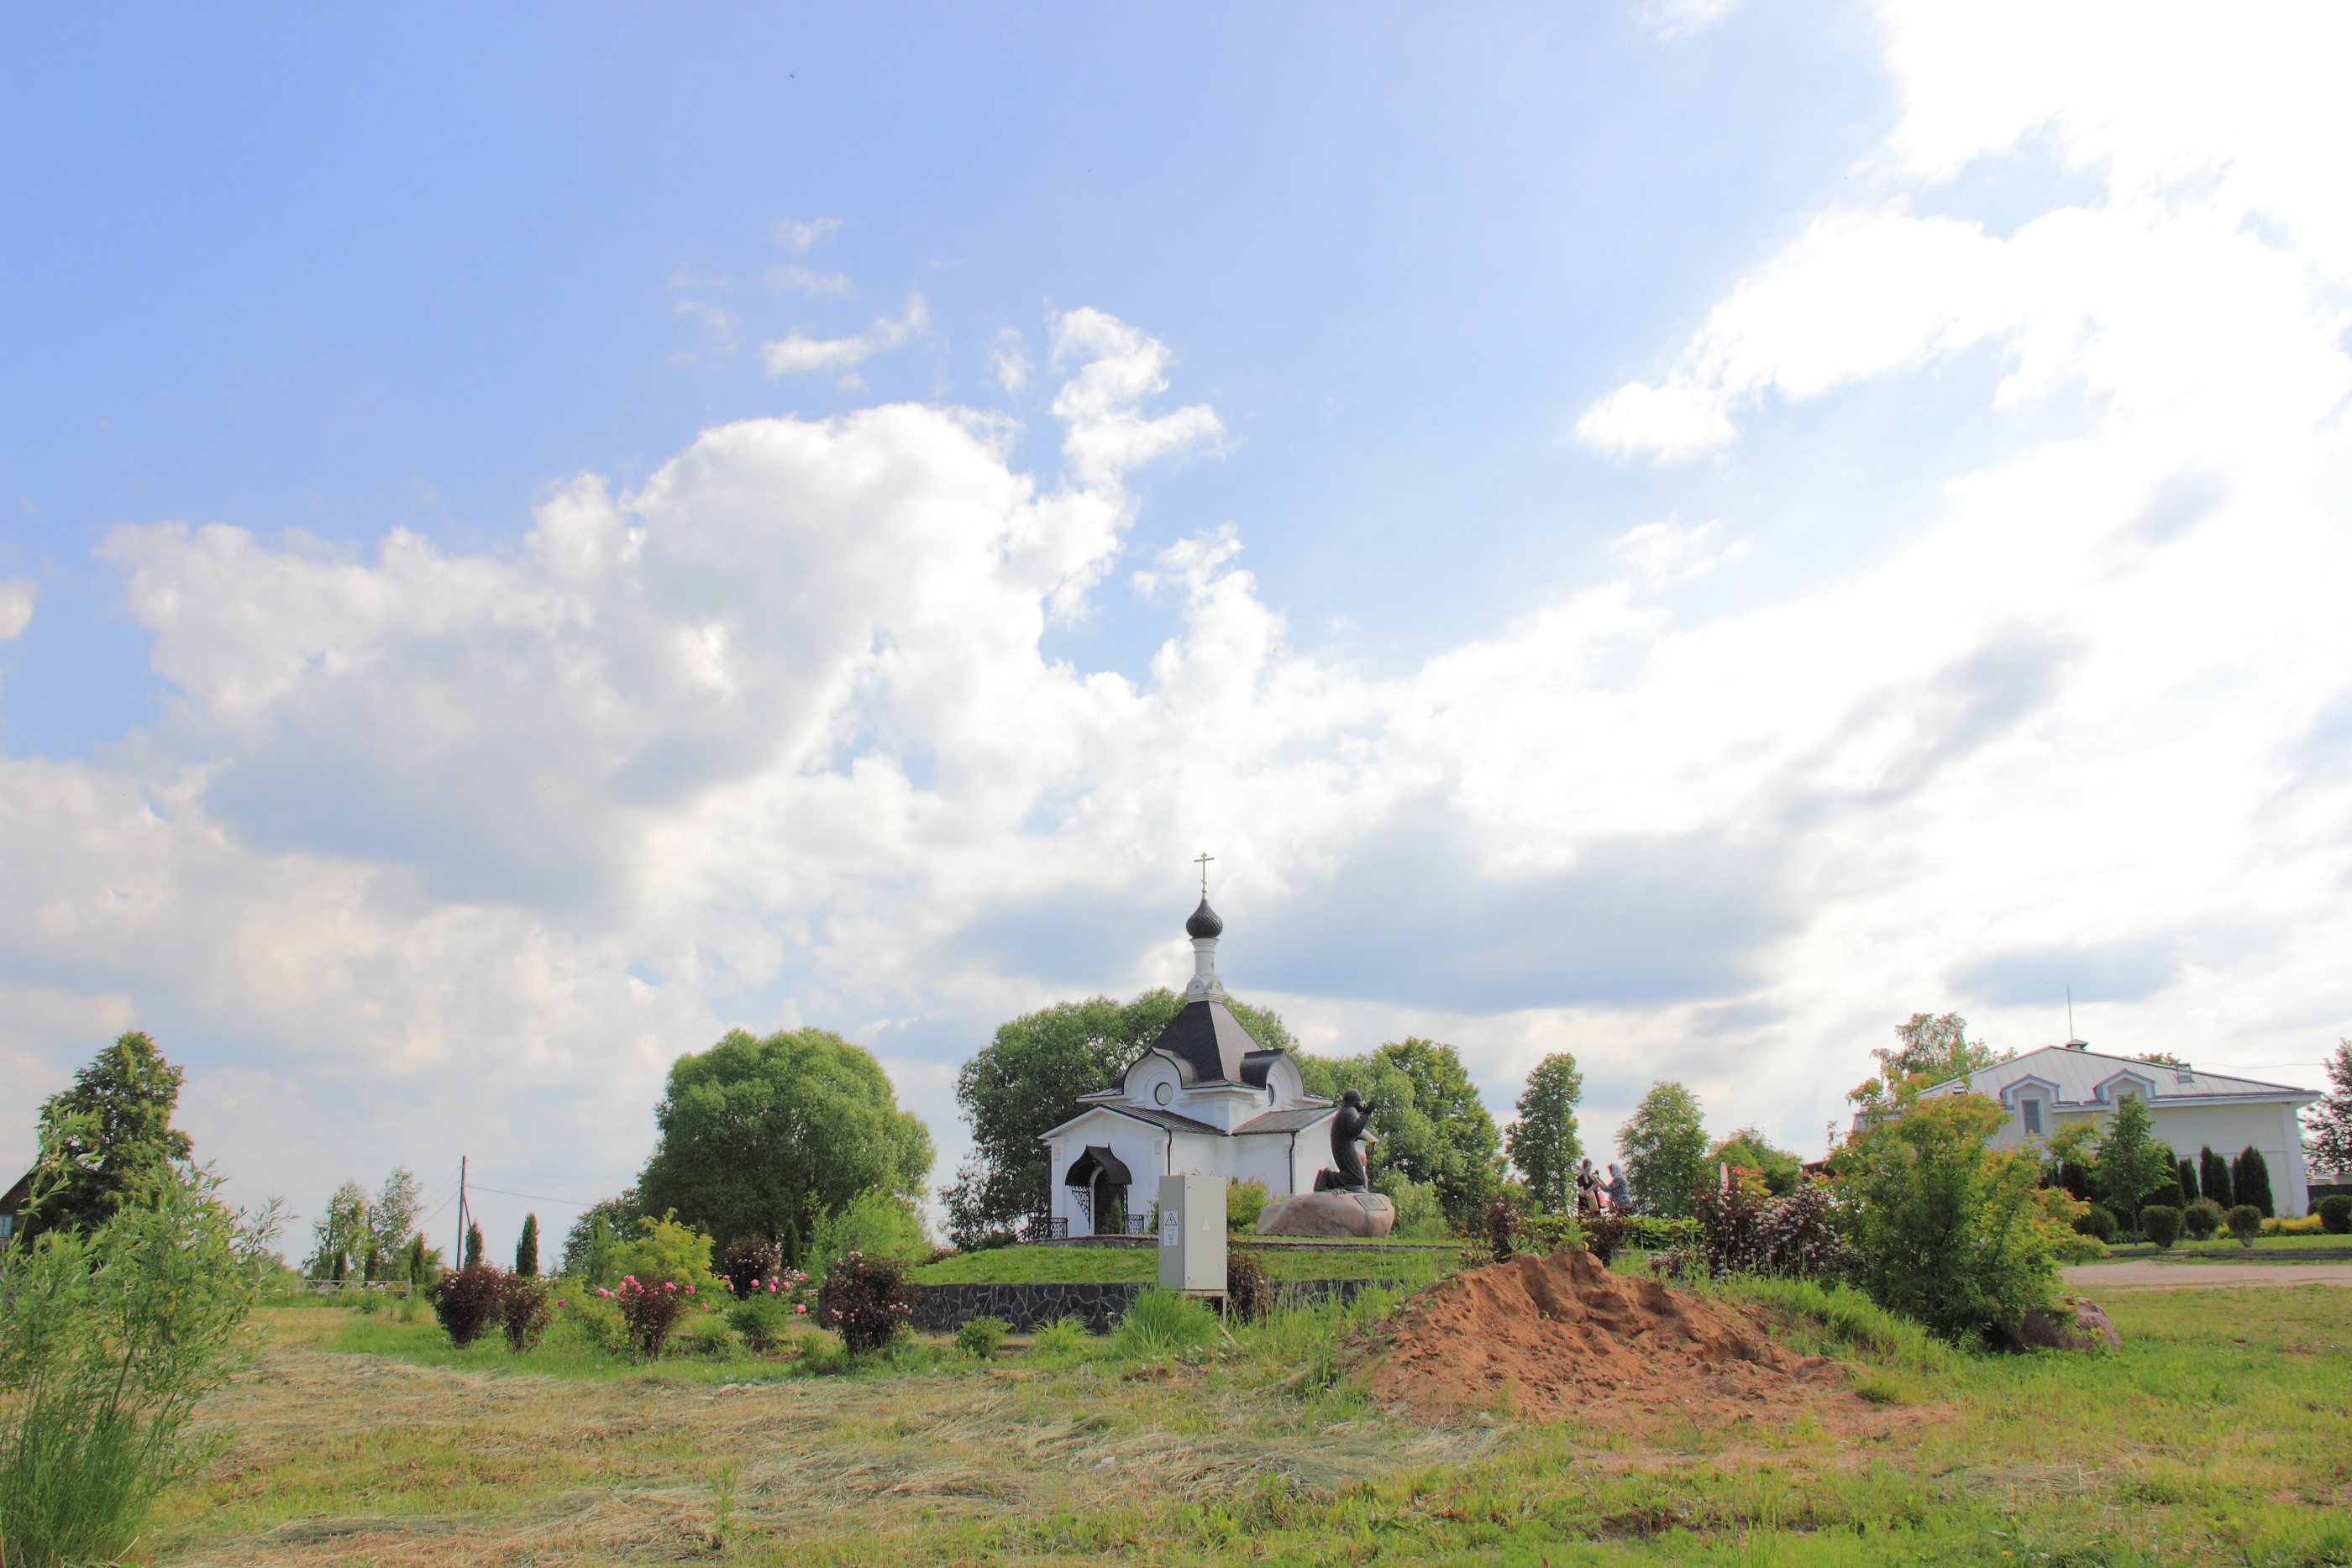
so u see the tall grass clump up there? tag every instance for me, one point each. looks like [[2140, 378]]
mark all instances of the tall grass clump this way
[[1162, 1322], [1063, 1336], [1839, 1320], [108, 1339]]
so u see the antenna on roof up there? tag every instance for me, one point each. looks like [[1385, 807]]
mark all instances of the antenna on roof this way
[[2074, 1041]]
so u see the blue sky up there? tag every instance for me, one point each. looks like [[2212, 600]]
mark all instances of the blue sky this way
[[1677, 533]]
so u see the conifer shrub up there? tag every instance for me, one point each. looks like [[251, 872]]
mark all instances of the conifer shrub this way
[[2249, 1175], [2214, 1179], [2162, 1223], [2097, 1221], [2336, 1214], [980, 1337], [466, 1300], [527, 1249], [525, 1309], [473, 1247], [747, 1263], [2201, 1218], [1249, 1294], [2187, 1180], [867, 1301], [2245, 1223]]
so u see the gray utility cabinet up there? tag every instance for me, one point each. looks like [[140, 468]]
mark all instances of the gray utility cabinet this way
[[1192, 1234]]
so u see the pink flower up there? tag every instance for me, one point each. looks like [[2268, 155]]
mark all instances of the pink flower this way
[[670, 1284], [800, 1309], [689, 1290]]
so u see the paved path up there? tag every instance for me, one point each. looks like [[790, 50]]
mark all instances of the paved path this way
[[2092, 1279]]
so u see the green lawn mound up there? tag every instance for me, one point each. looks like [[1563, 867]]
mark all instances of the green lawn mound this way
[[1115, 1265]]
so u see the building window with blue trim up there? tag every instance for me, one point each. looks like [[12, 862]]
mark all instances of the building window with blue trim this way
[[2032, 1111]]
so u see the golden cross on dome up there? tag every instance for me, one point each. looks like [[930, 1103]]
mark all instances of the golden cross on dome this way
[[1203, 862]]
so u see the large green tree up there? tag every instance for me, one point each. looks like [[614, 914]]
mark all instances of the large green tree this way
[[109, 1139], [757, 1135], [1430, 1126], [1028, 1080], [1542, 1143], [1665, 1149]]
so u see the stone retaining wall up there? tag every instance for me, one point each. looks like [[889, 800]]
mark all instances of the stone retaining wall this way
[[946, 1307]]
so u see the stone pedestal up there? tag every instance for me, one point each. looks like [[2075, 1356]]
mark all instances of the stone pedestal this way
[[1367, 1214]]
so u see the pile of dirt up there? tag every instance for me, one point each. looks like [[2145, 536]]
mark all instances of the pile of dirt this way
[[1545, 1338]]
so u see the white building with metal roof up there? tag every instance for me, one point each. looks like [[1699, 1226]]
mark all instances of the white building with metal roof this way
[[2189, 1109], [1204, 1099]]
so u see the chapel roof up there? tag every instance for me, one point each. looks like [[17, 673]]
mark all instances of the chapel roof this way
[[1210, 1045]]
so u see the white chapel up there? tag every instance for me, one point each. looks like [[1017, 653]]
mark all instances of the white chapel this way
[[1204, 1099]]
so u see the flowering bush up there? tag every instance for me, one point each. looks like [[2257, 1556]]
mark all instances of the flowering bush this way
[[747, 1264], [594, 1324], [466, 1301], [867, 1301], [1744, 1230], [650, 1311]]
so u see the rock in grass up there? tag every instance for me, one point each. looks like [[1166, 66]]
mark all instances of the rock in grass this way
[[2072, 1323], [1365, 1214]]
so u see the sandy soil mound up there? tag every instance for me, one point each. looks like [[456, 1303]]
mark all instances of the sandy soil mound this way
[[1543, 1338]]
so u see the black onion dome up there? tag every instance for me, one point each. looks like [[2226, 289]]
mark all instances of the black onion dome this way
[[1204, 921]]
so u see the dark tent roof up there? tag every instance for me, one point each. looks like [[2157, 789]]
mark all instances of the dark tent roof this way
[[1097, 1160], [1210, 1045]]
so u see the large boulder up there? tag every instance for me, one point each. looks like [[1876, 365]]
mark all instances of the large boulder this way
[[2070, 1324], [1364, 1214]]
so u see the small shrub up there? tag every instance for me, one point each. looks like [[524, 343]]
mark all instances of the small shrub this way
[[705, 1334], [867, 1301], [2201, 1218], [525, 1309], [1244, 1201], [1248, 1292], [2336, 1214], [2162, 1222], [820, 1353], [466, 1301], [1063, 1336], [2245, 1223], [2097, 1221], [1163, 1321], [978, 1338], [368, 1302], [650, 1311], [748, 1263], [766, 1323], [595, 1326]]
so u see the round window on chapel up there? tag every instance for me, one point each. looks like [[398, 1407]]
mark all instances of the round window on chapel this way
[[1164, 1093]]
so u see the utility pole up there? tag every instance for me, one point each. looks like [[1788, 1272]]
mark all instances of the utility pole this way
[[457, 1253]]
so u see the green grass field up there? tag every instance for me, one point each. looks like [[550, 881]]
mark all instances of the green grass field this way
[[2216, 1436], [1105, 1265], [2223, 1247]]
